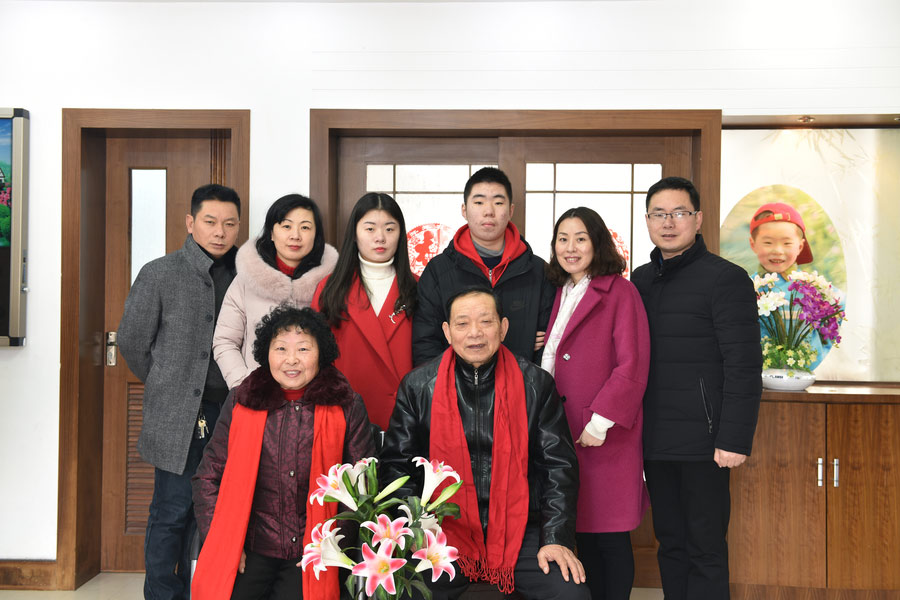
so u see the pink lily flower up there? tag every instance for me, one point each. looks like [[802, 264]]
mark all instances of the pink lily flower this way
[[378, 569], [385, 529], [332, 486], [436, 555], [435, 473], [324, 550]]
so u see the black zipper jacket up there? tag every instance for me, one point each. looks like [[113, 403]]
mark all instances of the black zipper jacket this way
[[552, 466], [705, 382]]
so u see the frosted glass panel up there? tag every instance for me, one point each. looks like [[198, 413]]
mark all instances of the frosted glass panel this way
[[645, 176], [593, 177], [615, 209], [148, 217], [380, 178], [539, 223], [432, 178], [431, 221], [641, 244], [539, 177]]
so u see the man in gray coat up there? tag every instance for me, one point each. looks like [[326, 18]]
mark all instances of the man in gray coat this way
[[166, 337]]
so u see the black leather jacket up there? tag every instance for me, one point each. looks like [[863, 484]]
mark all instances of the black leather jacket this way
[[552, 467]]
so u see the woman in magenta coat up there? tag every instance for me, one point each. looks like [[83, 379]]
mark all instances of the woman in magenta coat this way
[[598, 350], [369, 301]]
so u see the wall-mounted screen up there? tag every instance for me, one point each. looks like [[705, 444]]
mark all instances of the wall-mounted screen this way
[[13, 224]]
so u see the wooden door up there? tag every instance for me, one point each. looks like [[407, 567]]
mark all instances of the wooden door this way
[[777, 536], [675, 154], [864, 503], [189, 159]]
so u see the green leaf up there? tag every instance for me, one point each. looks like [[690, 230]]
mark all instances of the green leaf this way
[[423, 589]]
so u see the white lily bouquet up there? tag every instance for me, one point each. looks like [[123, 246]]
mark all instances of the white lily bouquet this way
[[394, 552]]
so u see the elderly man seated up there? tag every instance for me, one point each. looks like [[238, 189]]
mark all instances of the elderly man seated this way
[[498, 421]]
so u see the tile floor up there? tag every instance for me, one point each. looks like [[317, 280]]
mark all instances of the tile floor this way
[[125, 586]]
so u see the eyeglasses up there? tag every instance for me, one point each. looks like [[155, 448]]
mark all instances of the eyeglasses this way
[[660, 217]]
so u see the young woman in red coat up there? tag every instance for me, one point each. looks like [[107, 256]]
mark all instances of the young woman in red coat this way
[[598, 350], [369, 300]]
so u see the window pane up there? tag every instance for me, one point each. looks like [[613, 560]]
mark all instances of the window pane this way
[[539, 223], [539, 177], [148, 217], [641, 244], [431, 221], [432, 178], [645, 176], [614, 209], [380, 178], [593, 177]]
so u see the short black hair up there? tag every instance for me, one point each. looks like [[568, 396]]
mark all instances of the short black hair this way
[[488, 175], [286, 317], [675, 183], [474, 289], [213, 191]]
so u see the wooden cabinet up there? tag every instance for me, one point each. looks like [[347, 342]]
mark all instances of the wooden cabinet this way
[[818, 503]]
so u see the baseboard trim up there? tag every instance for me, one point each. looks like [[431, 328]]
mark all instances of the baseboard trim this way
[[27, 574]]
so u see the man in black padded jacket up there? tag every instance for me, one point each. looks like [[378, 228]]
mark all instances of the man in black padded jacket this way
[[702, 394], [487, 251]]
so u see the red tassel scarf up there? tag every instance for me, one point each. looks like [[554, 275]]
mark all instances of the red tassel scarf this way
[[495, 560]]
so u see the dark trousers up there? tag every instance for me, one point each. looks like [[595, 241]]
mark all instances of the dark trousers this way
[[266, 578], [691, 506], [171, 524], [530, 581], [608, 564]]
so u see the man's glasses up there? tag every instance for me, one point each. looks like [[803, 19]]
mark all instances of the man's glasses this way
[[659, 217]]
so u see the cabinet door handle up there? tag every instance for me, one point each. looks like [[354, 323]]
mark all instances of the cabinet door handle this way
[[837, 471], [820, 472]]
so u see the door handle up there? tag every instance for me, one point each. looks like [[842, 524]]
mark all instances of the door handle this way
[[820, 472], [111, 352], [837, 472]]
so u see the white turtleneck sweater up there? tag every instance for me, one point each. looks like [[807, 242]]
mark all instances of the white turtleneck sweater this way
[[377, 279]]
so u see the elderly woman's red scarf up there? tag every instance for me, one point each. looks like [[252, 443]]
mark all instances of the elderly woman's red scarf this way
[[495, 560], [221, 554]]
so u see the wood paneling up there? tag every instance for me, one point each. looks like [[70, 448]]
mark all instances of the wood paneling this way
[[776, 535], [327, 127], [139, 475], [864, 509]]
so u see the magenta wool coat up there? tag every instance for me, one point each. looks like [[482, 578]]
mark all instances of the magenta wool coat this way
[[601, 366]]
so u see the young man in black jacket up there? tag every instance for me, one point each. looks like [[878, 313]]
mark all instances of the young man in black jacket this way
[[703, 391], [487, 251]]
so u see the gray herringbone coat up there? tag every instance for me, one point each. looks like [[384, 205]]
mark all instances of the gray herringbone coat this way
[[165, 335]]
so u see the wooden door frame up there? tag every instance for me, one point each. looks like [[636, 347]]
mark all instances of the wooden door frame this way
[[704, 127], [80, 413]]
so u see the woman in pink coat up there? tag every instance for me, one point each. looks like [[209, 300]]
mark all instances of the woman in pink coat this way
[[598, 350]]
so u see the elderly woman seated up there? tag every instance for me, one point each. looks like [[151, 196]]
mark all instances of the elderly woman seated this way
[[287, 423]]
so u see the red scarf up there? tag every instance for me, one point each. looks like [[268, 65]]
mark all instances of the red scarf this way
[[513, 248], [284, 267], [508, 512], [221, 553]]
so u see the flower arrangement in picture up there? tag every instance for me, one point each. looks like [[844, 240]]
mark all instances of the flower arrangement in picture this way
[[789, 319], [394, 551]]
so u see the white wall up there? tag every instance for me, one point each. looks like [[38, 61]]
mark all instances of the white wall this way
[[281, 59]]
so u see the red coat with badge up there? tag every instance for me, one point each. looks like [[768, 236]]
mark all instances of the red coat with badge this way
[[376, 350]]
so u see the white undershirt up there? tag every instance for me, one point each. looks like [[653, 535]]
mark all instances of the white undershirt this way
[[572, 293], [377, 279]]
